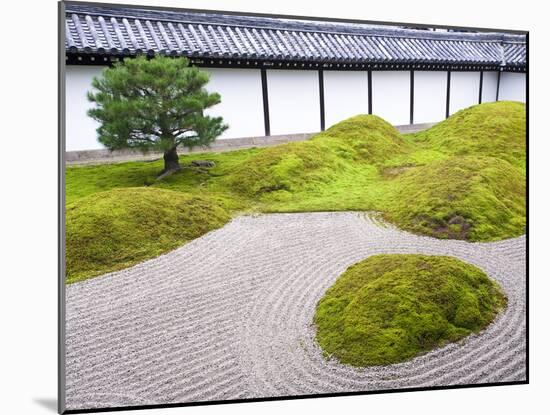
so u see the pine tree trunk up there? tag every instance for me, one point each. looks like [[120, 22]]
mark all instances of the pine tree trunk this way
[[171, 162]]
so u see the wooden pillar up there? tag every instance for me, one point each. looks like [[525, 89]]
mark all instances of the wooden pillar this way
[[369, 92], [480, 87], [447, 106], [498, 84], [411, 116], [322, 99], [266, 102]]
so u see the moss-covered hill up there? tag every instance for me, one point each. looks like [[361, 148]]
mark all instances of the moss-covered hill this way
[[390, 308], [111, 230], [296, 167], [477, 198], [496, 129], [463, 178]]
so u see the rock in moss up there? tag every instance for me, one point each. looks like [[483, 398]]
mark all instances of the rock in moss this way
[[203, 163]]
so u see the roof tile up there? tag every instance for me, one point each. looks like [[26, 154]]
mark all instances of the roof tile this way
[[127, 31]]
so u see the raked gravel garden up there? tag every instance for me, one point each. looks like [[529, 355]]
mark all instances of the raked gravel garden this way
[[233, 281], [230, 316]]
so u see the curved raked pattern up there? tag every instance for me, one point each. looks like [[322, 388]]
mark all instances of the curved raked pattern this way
[[229, 316]]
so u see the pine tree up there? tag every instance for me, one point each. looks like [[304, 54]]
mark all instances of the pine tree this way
[[154, 104]]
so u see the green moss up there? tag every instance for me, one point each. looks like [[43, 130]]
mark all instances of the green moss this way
[[366, 138], [287, 167], [111, 230], [475, 198], [464, 178], [307, 165], [83, 180], [390, 308], [495, 129]]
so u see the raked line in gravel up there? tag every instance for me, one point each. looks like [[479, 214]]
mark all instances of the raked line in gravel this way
[[229, 316]]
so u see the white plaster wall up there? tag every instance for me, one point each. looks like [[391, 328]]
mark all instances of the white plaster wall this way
[[80, 129], [293, 101], [294, 98], [464, 90], [346, 95], [430, 96], [241, 103], [391, 96], [512, 87], [489, 92]]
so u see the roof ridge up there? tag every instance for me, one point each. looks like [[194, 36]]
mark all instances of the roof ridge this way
[[485, 37]]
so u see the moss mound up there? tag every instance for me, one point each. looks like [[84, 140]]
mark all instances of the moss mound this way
[[390, 308], [297, 166], [474, 198], [494, 129], [286, 167], [369, 137], [111, 230], [464, 178]]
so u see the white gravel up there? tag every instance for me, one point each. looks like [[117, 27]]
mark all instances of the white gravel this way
[[229, 316]]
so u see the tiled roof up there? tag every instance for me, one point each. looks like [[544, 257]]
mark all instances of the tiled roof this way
[[127, 31]]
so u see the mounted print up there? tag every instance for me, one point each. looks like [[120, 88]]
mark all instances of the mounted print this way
[[260, 207]]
